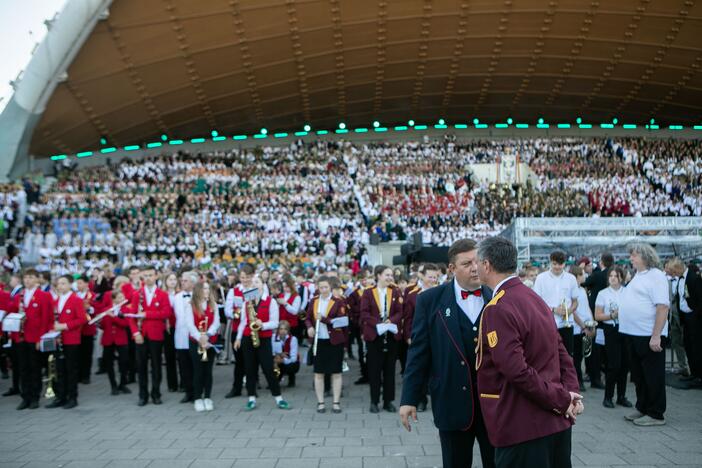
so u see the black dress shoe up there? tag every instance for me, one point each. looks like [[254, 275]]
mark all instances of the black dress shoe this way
[[582, 387], [55, 404], [291, 384], [33, 405], [157, 400], [233, 393], [5, 376], [142, 402], [11, 392], [361, 381], [115, 391], [598, 385], [101, 371], [186, 399], [390, 408], [374, 408], [85, 381], [624, 402], [422, 406], [172, 390], [124, 389], [70, 404], [23, 405], [607, 403]]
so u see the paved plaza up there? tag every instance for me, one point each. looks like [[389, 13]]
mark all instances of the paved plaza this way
[[111, 431]]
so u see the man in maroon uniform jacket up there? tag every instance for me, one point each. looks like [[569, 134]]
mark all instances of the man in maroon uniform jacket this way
[[526, 379]]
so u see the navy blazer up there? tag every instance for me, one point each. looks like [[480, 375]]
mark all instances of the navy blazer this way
[[437, 355]]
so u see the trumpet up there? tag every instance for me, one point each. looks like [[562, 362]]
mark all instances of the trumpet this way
[[253, 326], [567, 315], [202, 350]]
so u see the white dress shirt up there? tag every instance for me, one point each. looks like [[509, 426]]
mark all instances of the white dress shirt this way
[[471, 306], [28, 294], [277, 345], [193, 329], [149, 294], [293, 309], [610, 299], [554, 290], [322, 311], [62, 301], [583, 310], [182, 308], [382, 297], [271, 324], [637, 312]]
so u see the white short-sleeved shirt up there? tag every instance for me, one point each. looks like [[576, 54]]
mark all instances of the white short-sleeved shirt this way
[[637, 312], [610, 299], [583, 310], [556, 289]]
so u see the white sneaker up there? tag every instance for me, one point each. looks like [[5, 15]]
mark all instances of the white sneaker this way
[[649, 421], [633, 416], [199, 406], [209, 406]]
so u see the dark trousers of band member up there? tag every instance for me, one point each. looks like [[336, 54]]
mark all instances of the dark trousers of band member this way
[[362, 355], [67, 372], [381, 358], [185, 366], [87, 345], [290, 370], [617, 361], [402, 348], [108, 358], [457, 446], [261, 356], [648, 373], [14, 362], [131, 348], [239, 369], [149, 351], [567, 337], [578, 355], [171, 364], [552, 451], [692, 340], [593, 364], [202, 371], [29, 361]]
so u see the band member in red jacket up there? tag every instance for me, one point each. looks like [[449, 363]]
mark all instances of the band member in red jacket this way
[[71, 317], [87, 343], [115, 333], [328, 342], [526, 379], [148, 330], [382, 305], [39, 319]]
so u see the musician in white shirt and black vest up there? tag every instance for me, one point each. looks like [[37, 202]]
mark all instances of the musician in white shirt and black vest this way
[[286, 352], [259, 352], [182, 306], [559, 290]]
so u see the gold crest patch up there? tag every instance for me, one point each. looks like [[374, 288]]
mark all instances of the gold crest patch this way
[[492, 339]]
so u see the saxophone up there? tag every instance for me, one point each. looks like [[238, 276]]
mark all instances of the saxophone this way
[[252, 317], [202, 350], [50, 377]]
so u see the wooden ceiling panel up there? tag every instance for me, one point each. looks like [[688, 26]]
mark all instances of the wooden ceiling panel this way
[[314, 14], [122, 91], [225, 85], [148, 43], [164, 75], [269, 22], [316, 42], [206, 31], [98, 58], [217, 62]]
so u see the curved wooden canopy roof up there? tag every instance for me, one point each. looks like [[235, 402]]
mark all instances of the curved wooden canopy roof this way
[[185, 67]]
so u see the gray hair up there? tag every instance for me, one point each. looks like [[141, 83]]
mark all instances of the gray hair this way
[[500, 252], [192, 276], [646, 252]]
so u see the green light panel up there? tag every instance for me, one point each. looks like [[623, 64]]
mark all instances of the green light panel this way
[[84, 154], [154, 145], [420, 127], [240, 137], [197, 140], [112, 149]]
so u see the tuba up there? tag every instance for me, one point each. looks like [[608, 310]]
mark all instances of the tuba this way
[[202, 350], [253, 326], [587, 340]]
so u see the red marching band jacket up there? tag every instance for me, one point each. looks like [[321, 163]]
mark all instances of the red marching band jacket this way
[[39, 317], [74, 315], [370, 311], [335, 309], [153, 326], [114, 329], [90, 310]]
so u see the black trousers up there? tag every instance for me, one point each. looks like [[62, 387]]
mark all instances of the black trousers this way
[[67, 372], [692, 340], [149, 350], [4, 354], [567, 337], [290, 370], [14, 362], [87, 344], [593, 364], [648, 374], [171, 366], [185, 366], [239, 368], [617, 361], [358, 339], [131, 349], [457, 446], [29, 361], [578, 356], [108, 358], [255, 357], [552, 451], [382, 354], [402, 348], [202, 372]]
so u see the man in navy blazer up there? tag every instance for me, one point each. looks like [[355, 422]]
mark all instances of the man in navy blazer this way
[[442, 352]]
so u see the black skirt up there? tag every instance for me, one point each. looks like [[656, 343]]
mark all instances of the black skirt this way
[[329, 358]]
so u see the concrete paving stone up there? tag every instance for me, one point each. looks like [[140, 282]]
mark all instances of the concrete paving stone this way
[[271, 442], [161, 453], [327, 432], [384, 462], [80, 454], [684, 458], [321, 452], [403, 450], [367, 451], [242, 452], [304, 441], [600, 459], [121, 454], [86, 464], [255, 463], [213, 463], [152, 443], [424, 462], [297, 463], [127, 463], [229, 443], [342, 441], [432, 449], [282, 452], [40, 455], [207, 453], [345, 462], [384, 440], [11, 464], [172, 463]]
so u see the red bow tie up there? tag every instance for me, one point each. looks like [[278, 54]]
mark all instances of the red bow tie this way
[[465, 294]]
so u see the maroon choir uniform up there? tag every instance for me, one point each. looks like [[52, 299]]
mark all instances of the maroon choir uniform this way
[[382, 350], [152, 327], [410, 294], [88, 333], [524, 378], [353, 303], [335, 309], [74, 315], [39, 319], [115, 339]]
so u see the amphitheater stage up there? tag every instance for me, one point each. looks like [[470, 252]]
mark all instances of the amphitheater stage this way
[[111, 431]]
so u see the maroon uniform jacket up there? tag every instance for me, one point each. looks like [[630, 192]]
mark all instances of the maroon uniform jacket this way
[[335, 309], [157, 311], [354, 305], [409, 306], [524, 372], [73, 314], [370, 312], [39, 317]]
